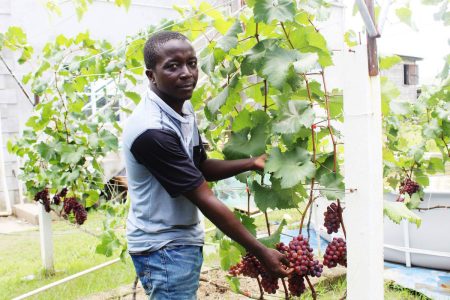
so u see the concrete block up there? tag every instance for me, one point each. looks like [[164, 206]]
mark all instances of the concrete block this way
[[12, 184], [29, 212], [8, 96]]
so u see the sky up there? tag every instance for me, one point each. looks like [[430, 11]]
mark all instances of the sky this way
[[430, 41]]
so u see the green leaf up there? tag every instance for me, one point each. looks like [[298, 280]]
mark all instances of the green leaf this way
[[108, 243], [242, 121], [229, 254], [387, 62], [230, 40], [292, 167], [294, 115], [273, 239], [92, 197], [414, 201], [306, 62], [405, 15], [275, 197], [247, 221], [333, 184], [350, 38], [249, 142], [71, 154], [217, 102], [400, 107], [276, 65], [431, 129], [274, 10], [254, 58], [135, 97], [234, 283], [397, 211]]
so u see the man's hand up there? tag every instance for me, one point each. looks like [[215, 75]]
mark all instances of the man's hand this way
[[275, 263], [259, 162]]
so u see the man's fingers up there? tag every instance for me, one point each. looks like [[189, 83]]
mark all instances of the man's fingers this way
[[285, 261]]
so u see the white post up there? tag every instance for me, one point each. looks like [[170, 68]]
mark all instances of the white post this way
[[3, 174], [405, 226], [46, 239], [363, 215]]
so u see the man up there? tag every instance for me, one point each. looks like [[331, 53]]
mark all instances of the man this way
[[167, 169]]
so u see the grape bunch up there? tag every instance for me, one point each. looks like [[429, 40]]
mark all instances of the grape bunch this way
[[72, 205], [336, 253], [57, 197], [251, 267], [409, 186], [301, 257], [269, 283], [44, 198], [332, 218], [296, 285]]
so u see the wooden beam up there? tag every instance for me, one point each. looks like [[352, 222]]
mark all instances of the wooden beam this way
[[372, 52]]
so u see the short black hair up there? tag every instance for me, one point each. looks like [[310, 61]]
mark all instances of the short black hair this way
[[155, 41]]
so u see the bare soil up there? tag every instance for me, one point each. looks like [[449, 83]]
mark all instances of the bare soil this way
[[214, 286]]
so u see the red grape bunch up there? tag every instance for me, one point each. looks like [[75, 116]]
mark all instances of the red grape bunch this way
[[251, 267], [301, 257], [72, 205], [57, 197], [336, 253], [409, 186], [332, 218], [44, 198], [296, 285]]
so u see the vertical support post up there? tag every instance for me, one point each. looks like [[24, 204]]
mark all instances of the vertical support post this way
[[363, 172], [4, 185], [46, 239], [405, 226]]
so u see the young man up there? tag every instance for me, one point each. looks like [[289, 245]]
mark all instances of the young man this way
[[167, 171]]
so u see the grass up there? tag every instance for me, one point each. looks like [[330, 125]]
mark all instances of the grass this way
[[74, 251]]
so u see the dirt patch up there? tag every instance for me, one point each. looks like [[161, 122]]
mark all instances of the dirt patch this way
[[214, 286]]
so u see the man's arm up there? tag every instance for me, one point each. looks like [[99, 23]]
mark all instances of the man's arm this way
[[215, 169], [224, 219]]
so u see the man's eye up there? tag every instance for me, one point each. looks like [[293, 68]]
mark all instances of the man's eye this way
[[193, 64], [172, 66]]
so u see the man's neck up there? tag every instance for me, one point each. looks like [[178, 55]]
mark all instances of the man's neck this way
[[175, 104]]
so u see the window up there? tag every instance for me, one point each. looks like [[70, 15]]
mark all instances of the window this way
[[410, 74]]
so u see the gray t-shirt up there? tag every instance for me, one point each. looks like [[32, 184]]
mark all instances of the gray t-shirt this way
[[162, 152]]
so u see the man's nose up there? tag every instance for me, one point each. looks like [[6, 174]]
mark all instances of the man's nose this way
[[186, 72]]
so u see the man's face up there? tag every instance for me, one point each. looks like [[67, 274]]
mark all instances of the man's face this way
[[175, 74]]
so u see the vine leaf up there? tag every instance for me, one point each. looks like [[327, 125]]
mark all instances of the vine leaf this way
[[333, 186], [272, 240], [276, 64], [253, 59], [228, 253], [294, 115], [275, 197], [397, 211], [243, 120], [247, 221], [234, 283], [306, 62], [269, 10], [249, 142], [230, 40], [387, 62], [292, 167]]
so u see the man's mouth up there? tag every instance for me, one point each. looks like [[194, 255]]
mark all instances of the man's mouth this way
[[186, 86]]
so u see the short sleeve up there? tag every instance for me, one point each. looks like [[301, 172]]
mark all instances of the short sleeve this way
[[161, 152]]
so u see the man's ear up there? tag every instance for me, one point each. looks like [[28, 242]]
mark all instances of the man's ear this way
[[150, 75]]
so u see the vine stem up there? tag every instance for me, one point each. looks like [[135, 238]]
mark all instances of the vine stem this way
[[445, 144], [286, 293], [313, 291], [330, 130], [341, 219], [16, 80], [313, 139], [266, 216], [248, 199], [287, 36], [261, 292], [433, 207]]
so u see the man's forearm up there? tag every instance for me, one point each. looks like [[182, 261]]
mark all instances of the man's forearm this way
[[224, 219], [214, 169]]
